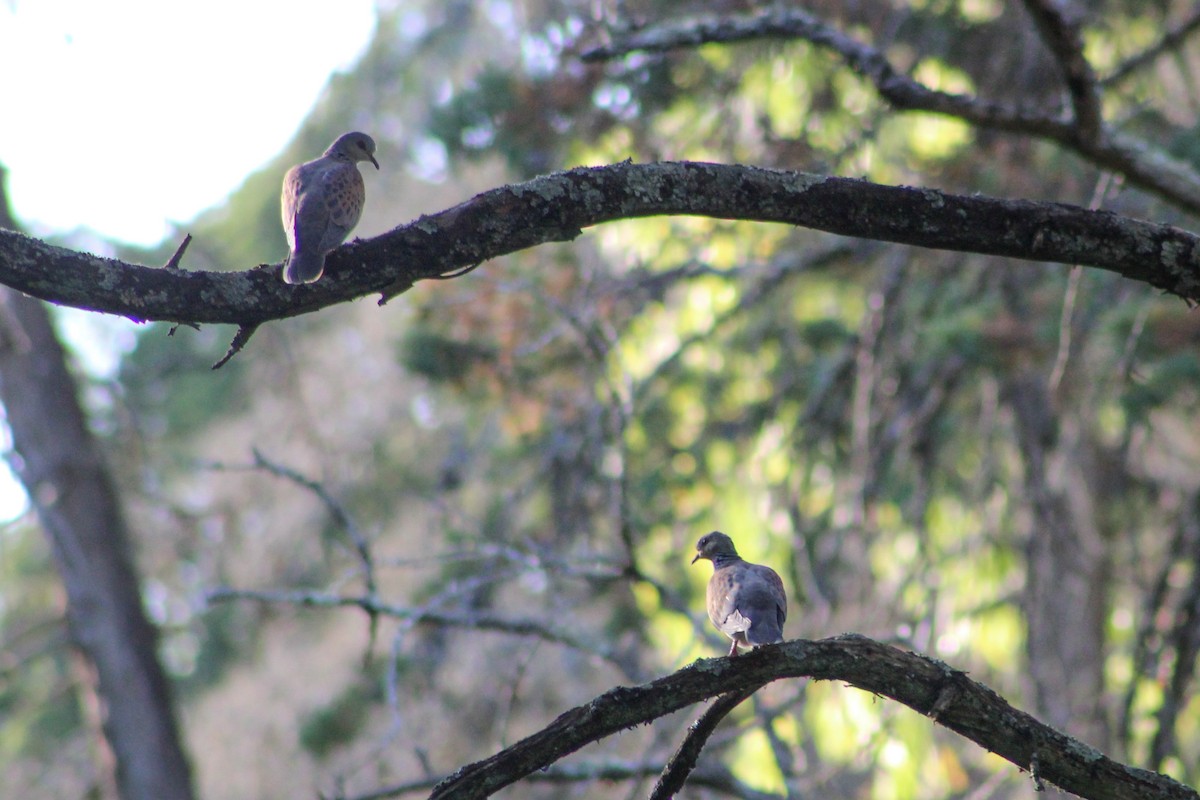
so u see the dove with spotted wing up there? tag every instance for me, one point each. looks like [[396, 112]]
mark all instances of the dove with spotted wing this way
[[322, 202]]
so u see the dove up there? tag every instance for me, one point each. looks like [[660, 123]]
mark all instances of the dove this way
[[746, 602], [322, 202]]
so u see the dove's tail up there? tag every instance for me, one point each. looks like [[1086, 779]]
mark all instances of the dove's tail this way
[[304, 267], [761, 628]]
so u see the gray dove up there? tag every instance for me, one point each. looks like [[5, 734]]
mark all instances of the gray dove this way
[[746, 602], [322, 202]]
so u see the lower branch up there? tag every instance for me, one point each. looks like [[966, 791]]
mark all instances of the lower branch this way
[[683, 761], [926, 685], [716, 778]]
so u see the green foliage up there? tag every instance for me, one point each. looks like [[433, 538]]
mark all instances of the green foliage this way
[[38, 701], [220, 641], [338, 723], [500, 113], [545, 438], [439, 358], [1171, 378], [171, 376]]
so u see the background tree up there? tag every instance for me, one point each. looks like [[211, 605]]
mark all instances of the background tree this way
[[987, 462], [121, 682]]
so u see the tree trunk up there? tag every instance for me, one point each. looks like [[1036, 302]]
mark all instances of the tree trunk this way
[[69, 484], [1067, 566]]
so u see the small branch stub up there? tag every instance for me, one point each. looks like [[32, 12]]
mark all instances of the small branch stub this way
[[244, 332]]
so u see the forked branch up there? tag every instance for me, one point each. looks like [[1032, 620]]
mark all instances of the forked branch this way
[[928, 686]]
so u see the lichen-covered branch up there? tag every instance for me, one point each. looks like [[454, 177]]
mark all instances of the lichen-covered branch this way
[[557, 207], [928, 686]]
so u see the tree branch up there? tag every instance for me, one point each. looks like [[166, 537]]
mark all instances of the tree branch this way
[[1148, 167], [684, 759], [897, 88], [477, 620], [924, 684], [1060, 25], [558, 206], [716, 778], [343, 519], [1170, 40]]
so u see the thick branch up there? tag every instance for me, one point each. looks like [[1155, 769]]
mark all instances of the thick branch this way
[[925, 685], [556, 207], [1145, 166]]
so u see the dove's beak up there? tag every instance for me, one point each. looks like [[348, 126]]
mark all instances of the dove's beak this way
[[373, 161], [697, 558]]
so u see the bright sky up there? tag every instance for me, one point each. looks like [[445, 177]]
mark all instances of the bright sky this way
[[124, 115]]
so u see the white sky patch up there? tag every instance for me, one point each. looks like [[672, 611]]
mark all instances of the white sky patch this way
[[123, 116]]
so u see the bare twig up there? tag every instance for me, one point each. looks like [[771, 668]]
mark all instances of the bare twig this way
[[477, 620], [898, 89], [1059, 25], [598, 344], [1066, 324], [774, 274], [1149, 638], [1170, 40], [341, 517], [173, 262], [362, 547], [881, 303], [244, 332], [1184, 640], [178, 325], [28, 642]]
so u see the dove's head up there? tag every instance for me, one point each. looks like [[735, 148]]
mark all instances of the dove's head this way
[[354, 146], [715, 546]]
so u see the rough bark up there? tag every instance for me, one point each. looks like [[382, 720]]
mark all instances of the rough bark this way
[[556, 207], [926, 685], [64, 472]]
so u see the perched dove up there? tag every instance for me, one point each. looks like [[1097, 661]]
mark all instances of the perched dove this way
[[322, 201], [745, 601]]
